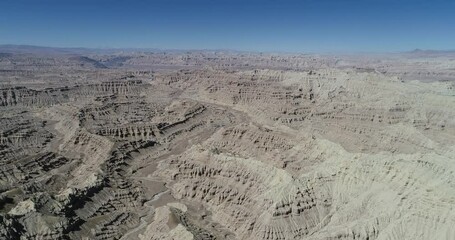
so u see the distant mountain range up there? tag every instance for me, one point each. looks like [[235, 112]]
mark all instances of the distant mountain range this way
[[12, 48], [430, 53]]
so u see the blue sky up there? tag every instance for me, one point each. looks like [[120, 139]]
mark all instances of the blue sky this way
[[267, 25]]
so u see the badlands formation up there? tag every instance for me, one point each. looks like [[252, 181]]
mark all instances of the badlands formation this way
[[226, 145]]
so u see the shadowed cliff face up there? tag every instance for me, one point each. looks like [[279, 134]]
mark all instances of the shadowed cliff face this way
[[204, 145]]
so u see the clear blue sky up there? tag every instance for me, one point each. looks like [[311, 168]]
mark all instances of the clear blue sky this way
[[265, 25]]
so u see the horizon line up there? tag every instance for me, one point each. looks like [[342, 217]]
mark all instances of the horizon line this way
[[221, 49]]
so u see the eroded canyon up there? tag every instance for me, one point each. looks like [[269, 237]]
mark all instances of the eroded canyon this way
[[226, 145]]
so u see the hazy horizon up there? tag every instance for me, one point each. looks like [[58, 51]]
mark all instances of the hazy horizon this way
[[22, 46]]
